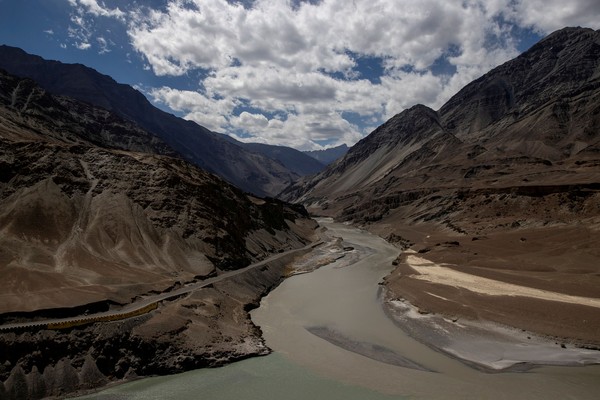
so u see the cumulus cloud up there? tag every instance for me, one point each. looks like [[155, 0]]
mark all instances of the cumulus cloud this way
[[208, 111], [549, 15], [295, 65]]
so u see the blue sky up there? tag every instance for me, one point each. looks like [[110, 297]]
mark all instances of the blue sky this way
[[305, 74]]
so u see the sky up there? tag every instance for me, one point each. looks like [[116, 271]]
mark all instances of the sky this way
[[308, 74]]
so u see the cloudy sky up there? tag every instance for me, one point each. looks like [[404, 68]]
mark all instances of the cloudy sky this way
[[301, 73]]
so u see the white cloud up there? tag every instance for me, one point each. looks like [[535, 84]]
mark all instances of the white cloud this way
[[299, 60], [83, 45], [81, 29], [103, 44], [252, 122], [549, 15], [301, 132], [205, 110], [98, 9]]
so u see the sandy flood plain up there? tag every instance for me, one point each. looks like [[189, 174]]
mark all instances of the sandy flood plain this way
[[474, 317]]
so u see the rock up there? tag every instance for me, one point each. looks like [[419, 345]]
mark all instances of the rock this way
[[36, 384], [251, 170], [89, 375], [61, 378], [16, 384]]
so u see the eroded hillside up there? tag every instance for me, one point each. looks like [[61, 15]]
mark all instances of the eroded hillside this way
[[95, 214]]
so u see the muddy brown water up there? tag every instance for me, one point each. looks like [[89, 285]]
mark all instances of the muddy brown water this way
[[332, 339]]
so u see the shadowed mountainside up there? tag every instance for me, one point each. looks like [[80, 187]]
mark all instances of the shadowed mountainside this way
[[296, 161], [328, 156], [251, 170], [91, 219]]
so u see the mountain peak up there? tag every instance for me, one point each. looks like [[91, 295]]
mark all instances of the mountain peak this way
[[557, 67], [538, 109]]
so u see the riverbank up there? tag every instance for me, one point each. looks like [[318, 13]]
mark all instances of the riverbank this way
[[543, 279], [485, 345], [330, 324], [482, 321], [207, 327]]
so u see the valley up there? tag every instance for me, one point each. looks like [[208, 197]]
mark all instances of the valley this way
[[101, 226], [450, 253], [339, 340], [500, 183]]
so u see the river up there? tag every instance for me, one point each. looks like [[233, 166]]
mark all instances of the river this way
[[332, 339]]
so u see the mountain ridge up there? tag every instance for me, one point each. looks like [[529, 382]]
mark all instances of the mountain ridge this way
[[467, 121], [252, 171], [74, 199], [327, 156]]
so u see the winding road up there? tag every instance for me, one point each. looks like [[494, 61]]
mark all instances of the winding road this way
[[148, 303]]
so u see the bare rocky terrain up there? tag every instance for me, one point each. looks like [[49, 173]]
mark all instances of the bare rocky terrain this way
[[502, 182], [95, 212], [263, 170], [330, 155]]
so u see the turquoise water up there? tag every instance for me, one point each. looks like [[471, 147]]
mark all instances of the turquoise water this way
[[270, 377]]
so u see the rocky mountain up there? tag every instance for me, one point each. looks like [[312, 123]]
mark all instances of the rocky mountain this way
[[296, 161], [528, 126], [87, 210], [328, 156], [96, 212], [249, 170], [503, 181]]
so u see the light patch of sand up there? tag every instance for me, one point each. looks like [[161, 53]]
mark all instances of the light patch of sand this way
[[435, 273], [439, 297]]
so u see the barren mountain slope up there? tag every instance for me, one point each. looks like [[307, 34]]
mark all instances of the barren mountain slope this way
[[328, 156], [83, 223], [503, 180], [247, 169], [91, 218]]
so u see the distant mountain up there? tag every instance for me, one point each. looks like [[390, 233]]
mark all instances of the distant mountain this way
[[248, 170], [88, 213], [328, 156], [294, 160]]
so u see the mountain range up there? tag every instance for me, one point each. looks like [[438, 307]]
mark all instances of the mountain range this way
[[530, 125], [258, 169], [89, 208], [97, 213], [327, 156]]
